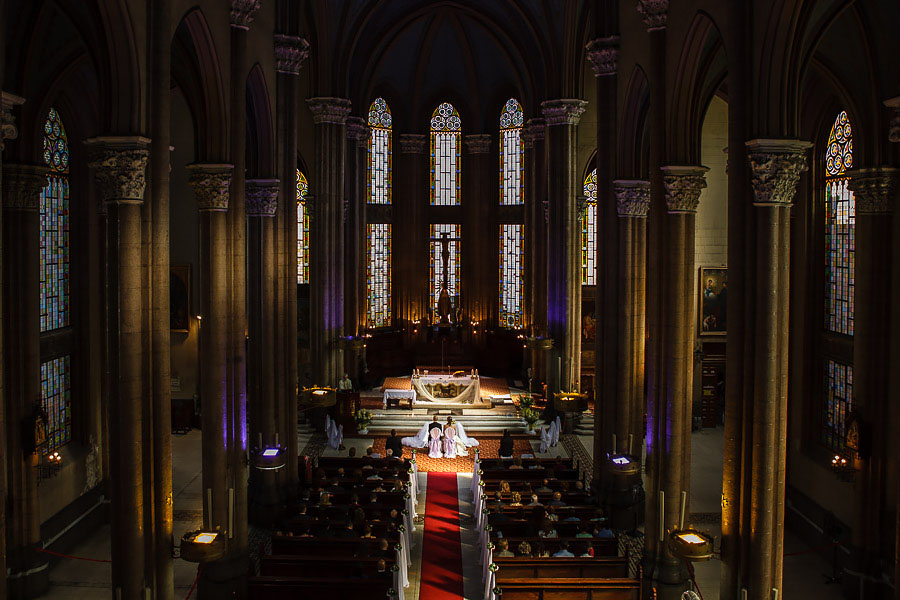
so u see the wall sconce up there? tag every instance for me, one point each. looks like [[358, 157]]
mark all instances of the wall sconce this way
[[843, 468], [51, 468]]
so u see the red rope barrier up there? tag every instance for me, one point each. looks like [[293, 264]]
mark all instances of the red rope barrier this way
[[99, 560], [196, 579]]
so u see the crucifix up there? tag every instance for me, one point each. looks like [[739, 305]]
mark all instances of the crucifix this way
[[444, 304]]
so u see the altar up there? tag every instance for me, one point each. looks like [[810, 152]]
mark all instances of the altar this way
[[453, 388]]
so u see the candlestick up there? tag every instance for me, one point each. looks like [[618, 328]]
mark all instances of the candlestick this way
[[683, 507], [662, 515]]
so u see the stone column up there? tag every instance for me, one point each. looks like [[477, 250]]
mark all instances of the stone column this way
[[22, 185], [118, 164], [327, 238], [672, 431], [410, 259], [7, 132], [564, 240], [211, 183], [290, 53], [875, 191], [536, 244], [480, 237], [632, 207], [355, 238], [775, 167], [262, 203]]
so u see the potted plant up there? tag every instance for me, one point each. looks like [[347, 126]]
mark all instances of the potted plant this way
[[526, 401], [362, 417], [531, 417]]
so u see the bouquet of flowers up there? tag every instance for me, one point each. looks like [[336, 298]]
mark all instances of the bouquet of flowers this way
[[530, 416], [362, 417]]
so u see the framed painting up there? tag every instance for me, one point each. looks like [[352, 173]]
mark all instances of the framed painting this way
[[713, 304], [180, 298]]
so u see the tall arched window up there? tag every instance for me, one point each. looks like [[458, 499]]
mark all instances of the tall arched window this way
[[445, 134], [56, 388], [512, 183], [378, 235], [840, 250], [512, 235], [302, 230], [589, 232]]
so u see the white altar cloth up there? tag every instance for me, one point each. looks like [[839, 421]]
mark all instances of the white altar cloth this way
[[398, 394], [424, 385]]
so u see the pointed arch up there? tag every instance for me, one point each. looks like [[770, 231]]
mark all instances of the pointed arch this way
[[302, 229], [260, 131], [446, 128], [378, 180], [589, 231], [512, 148]]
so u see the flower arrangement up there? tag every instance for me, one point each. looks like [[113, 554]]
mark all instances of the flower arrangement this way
[[530, 416], [362, 417], [525, 401], [494, 568]]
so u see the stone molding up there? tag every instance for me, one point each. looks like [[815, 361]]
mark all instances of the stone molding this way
[[211, 184], [581, 204], [603, 54], [262, 197], [632, 198], [119, 165], [242, 12], [479, 143], [894, 126], [563, 112], [290, 53], [358, 131], [413, 143], [654, 13], [22, 186], [875, 190], [8, 129], [329, 110], [533, 132], [775, 167], [683, 184]]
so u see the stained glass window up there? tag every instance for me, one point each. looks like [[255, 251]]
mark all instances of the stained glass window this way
[[379, 169], [56, 392], [512, 254], [437, 264], [589, 232], [302, 230], [445, 134], [55, 227], [838, 402], [378, 275], [840, 229], [511, 149]]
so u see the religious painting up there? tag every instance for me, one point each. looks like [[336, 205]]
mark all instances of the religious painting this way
[[713, 303], [588, 322], [180, 298]]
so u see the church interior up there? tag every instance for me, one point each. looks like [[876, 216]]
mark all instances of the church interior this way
[[429, 299]]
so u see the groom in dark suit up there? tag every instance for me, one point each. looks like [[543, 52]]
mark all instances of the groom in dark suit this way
[[435, 423]]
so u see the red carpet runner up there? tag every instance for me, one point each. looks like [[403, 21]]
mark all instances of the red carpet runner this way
[[442, 577]]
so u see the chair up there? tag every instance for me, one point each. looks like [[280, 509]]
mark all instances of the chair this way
[[434, 444]]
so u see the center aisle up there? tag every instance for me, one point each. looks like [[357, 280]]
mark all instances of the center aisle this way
[[442, 574]]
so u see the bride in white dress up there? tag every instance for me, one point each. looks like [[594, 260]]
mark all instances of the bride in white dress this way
[[463, 442]]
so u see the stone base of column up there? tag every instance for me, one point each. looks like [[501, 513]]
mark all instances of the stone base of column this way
[[666, 591], [670, 572], [226, 578], [266, 499], [29, 573]]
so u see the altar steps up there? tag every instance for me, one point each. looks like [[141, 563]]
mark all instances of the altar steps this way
[[406, 425], [586, 424]]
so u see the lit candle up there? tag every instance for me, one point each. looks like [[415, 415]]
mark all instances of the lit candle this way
[[630, 440], [662, 515], [774, 593], [683, 507], [614, 447]]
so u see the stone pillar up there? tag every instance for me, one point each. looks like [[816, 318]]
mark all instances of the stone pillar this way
[[535, 244], [118, 164], [564, 241], [410, 258], [211, 183], [262, 203], [327, 238], [875, 191], [355, 238], [22, 185], [290, 54], [7, 132], [775, 167], [480, 237]]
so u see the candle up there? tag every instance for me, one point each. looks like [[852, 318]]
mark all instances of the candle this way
[[774, 593], [662, 516], [630, 439], [744, 594], [683, 507], [614, 448]]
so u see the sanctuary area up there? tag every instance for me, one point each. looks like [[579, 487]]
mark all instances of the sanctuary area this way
[[449, 299]]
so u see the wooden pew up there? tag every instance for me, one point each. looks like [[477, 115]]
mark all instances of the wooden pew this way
[[560, 568], [571, 589], [601, 546], [315, 566], [327, 547], [293, 588]]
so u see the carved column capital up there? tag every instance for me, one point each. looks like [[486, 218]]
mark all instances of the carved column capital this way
[[683, 185], [329, 110], [211, 183], [581, 204], [775, 167], [479, 143], [290, 53], [654, 13], [875, 190], [413, 143], [242, 12], [563, 112], [894, 127], [533, 132], [262, 197], [22, 185], [8, 129], [632, 198], [357, 131], [603, 54], [119, 165]]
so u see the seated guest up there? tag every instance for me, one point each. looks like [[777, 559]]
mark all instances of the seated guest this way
[[572, 517], [544, 489], [335, 487], [504, 486], [359, 517], [382, 565], [506, 445], [540, 551], [374, 477], [557, 499], [378, 488], [547, 530], [503, 548], [496, 517], [534, 501], [393, 515], [524, 548], [517, 463], [370, 452], [520, 514], [497, 502], [598, 516], [563, 551], [324, 499], [305, 533], [373, 498], [551, 514], [398, 486], [604, 532], [351, 452], [393, 444], [584, 550], [516, 499], [384, 549], [583, 532], [346, 532], [367, 532]]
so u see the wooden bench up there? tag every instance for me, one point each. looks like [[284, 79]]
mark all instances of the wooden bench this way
[[291, 588], [326, 547], [571, 589], [601, 546], [316, 566], [560, 568]]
